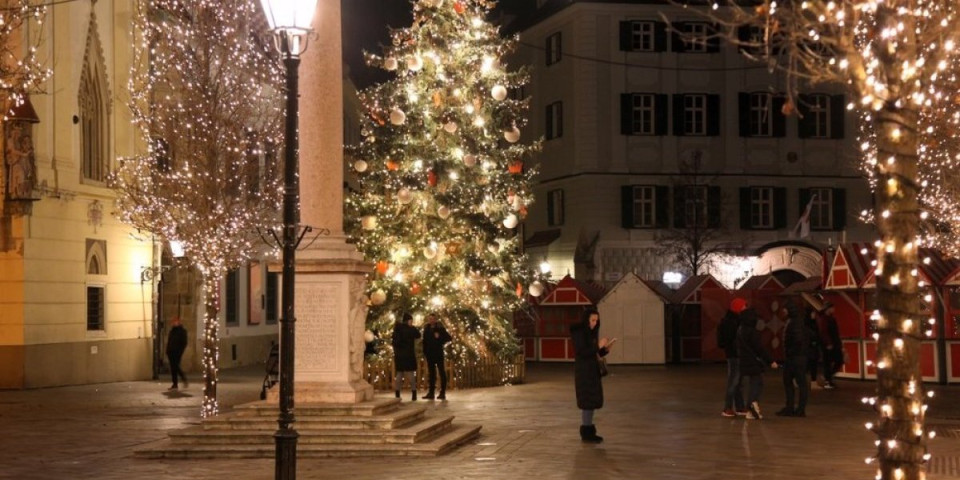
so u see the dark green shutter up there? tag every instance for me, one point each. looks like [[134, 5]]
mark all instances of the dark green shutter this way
[[743, 104], [839, 209], [660, 114], [626, 113], [713, 115], [559, 119], [659, 37], [779, 207], [838, 109], [679, 217], [549, 121], [805, 123], [779, 119], [663, 206], [626, 206], [626, 36], [546, 50], [676, 40], [550, 208], [714, 204], [713, 38], [678, 128], [804, 199], [745, 208]]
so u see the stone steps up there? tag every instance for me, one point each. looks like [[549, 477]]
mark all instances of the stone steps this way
[[372, 407], [418, 431], [246, 421]]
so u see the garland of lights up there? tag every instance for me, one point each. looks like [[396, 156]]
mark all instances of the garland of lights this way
[[445, 182], [205, 98], [21, 71]]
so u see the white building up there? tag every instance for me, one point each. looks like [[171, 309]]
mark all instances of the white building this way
[[646, 131]]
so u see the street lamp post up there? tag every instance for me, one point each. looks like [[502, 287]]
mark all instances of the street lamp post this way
[[290, 22]]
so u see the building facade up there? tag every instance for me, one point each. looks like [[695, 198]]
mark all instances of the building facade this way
[[654, 126]]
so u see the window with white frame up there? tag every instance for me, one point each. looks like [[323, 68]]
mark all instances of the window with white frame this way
[[821, 208], [642, 36], [695, 206], [555, 207], [819, 111], [761, 207], [644, 206], [644, 110], [694, 36], [554, 48], [761, 119], [554, 120], [695, 114]]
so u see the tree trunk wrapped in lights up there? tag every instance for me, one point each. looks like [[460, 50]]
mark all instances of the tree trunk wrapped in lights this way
[[891, 56], [444, 180], [205, 97]]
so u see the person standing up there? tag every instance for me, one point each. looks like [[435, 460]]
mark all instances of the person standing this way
[[727, 340], [176, 345], [832, 346], [435, 336], [754, 359], [813, 349], [796, 345], [588, 350], [405, 336]]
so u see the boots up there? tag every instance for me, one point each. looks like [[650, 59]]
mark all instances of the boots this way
[[588, 434], [443, 395], [414, 395], [397, 393], [429, 395]]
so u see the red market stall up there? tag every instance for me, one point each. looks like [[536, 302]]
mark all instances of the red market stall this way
[[559, 307], [700, 295], [844, 288], [762, 293]]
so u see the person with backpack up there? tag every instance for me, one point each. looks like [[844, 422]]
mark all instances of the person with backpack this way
[[727, 340], [754, 359]]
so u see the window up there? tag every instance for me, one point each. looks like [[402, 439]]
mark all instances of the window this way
[[95, 307], [760, 121], [553, 48], [272, 308], [761, 115], [93, 109], [644, 206], [694, 206], [554, 120], [696, 114], [231, 298], [827, 207], [643, 36], [643, 114], [695, 37], [763, 208], [821, 116], [555, 207]]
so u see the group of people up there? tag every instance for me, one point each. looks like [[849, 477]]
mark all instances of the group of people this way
[[808, 339], [434, 336]]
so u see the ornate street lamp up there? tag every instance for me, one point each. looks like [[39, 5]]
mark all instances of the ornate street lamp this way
[[290, 22]]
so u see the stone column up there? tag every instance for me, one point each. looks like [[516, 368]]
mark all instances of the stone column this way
[[330, 298]]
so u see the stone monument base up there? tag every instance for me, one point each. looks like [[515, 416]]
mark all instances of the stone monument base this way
[[325, 392]]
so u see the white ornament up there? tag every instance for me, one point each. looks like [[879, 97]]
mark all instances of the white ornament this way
[[397, 117], [469, 159], [405, 196], [430, 251], [378, 297], [368, 222], [360, 166], [511, 221], [498, 92], [443, 212], [390, 63], [517, 202], [368, 336], [536, 288], [415, 63], [450, 127], [512, 135]]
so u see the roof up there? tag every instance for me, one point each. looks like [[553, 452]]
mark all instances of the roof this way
[[632, 278], [661, 288], [542, 238], [570, 291], [689, 291], [938, 270], [810, 285], [762, 282], [851, 266]]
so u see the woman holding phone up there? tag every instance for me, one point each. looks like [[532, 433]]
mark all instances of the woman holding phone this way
[[589, 349]]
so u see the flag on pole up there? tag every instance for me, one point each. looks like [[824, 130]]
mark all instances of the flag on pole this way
[[802, 230]]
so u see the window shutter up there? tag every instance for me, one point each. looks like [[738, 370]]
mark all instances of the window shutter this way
[[713, 115], [626, 113], [804, 198], [546, 50], [678, 115], [838, 108], [713, 206], [549, 121], [663, 206], [659, 37], [626, 36], [676, 40], [805, 122], [779, 207], [679, 218], [744, 106], [559, 119], [550, 208], [626, 206], [713, 38], [779, 119], [660, 115], [839, 209], [745, 208]]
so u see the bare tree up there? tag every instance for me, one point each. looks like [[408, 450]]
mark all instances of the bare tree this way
[[889, 55], [204, 97]]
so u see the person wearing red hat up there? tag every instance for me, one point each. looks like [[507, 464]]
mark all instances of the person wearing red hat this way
[[727, 340]]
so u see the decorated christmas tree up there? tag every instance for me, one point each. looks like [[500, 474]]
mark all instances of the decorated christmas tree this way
[[445, 181]]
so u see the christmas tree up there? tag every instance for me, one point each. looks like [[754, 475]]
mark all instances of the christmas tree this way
[[445, 181], [204, 96]]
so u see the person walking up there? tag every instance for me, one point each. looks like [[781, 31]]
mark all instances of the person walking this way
[[754, 359], [796, 346], [727, 340], [588, 350], [435, 336], [832, 346], [405, 336], [176, 345]]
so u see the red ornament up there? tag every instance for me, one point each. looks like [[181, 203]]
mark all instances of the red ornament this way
[[392, 165], [519, 290], [382, 267], [432, 178], [415, 288], [516, 167], [458, 7]]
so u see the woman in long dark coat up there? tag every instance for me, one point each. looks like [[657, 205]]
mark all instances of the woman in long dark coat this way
[[404, 356], [588, 349], [754, 359]]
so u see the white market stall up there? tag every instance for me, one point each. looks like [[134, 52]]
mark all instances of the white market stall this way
[[633, 312]]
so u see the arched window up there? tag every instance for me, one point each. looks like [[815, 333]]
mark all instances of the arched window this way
[[94, 109]]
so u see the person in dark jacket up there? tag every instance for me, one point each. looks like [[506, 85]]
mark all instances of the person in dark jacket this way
[[727, 340], [405, 336], [796, 346], [176, 345], [754, 359], [434, 338], [813, 351], [588, 349], [831, 344]]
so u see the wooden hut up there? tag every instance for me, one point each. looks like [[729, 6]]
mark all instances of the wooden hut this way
[[633, 312], [559, 308]]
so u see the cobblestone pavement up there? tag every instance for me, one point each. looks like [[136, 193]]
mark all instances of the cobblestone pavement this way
[[659, 423]]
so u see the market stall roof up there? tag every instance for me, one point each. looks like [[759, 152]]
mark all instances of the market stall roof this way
[[628, 281], [851, 265], [570, 291], [810, 285], [662, 289], [689, 292], [762, 282]]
